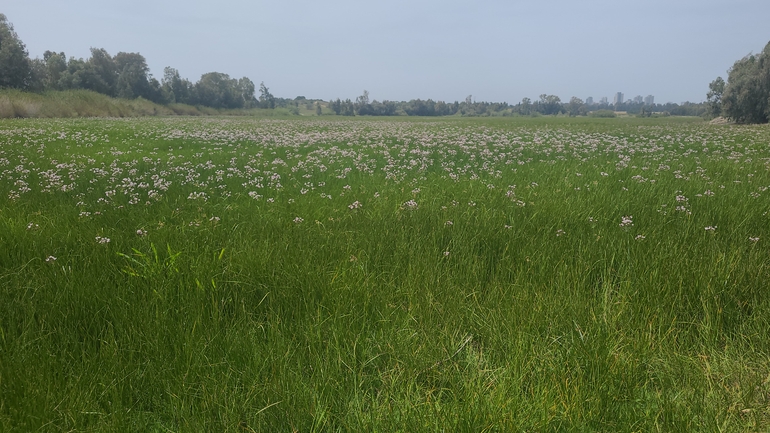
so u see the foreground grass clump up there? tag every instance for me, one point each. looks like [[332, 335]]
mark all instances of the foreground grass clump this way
[[236, 275]]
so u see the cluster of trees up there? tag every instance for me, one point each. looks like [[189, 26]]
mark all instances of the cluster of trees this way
[[125, 75], [545, 105], [417, 107], [214, 89], [745, 97]]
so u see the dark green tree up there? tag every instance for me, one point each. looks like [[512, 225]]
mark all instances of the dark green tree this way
[[362, 105], [38, 75], [155, 92], [246, 90], [176, 89], [266, 99], [525, 108], [336, 106], [746, 97], [100, 73], [348, 108], [71, 78], [218, 90], [714, 97], [468, 108], [15, 66], [549, 104], [133, 80], [574, 105], [56, 66]]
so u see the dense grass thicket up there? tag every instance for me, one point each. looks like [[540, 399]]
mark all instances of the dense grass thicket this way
[[86, 103], [460, 275]]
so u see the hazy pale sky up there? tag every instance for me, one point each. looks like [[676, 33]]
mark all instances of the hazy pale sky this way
[[400, 50]]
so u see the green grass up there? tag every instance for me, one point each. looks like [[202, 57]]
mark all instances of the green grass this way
[[86, 103], [488, 307]]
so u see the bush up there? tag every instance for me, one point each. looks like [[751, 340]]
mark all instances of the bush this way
[[602, 113], [86, 103], [184, 110]]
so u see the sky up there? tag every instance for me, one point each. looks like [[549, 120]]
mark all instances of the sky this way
[[499, 51]]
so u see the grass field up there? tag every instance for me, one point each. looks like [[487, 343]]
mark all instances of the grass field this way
[[211, 275]]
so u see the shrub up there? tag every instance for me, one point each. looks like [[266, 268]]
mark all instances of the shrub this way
[[602, 113]]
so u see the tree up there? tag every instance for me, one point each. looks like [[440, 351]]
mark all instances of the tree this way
[[318, 110], [348, 108], [468, 107], [218, 90], [550, 104], [100, 73], [15, 66], [38, 75], [72, 77], [443, 109], [525, 108], [574, 105], [266, 99], [336, 106], [714, 97], [246, 90], [176, 89], [132, 76], [418, 107], [746, 96], [56, 65], [155, 91], [362, 105]]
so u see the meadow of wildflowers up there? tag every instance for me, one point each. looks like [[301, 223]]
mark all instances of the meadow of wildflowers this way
[[384, 275]]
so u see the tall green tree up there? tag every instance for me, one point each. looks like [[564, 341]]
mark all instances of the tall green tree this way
[[746, 97], [362, 105], [218, 90], [266, 99], [15, 66], [246, 89], [336, 106], [101, 73], [38, 76], [550, 104], [574, 106], [56, 65], [176, 88], [73, 76], [525, 108], [714, 97], [133, 80], [348, 108]]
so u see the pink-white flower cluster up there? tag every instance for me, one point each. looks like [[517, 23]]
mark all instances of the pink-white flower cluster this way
[[627, 221]]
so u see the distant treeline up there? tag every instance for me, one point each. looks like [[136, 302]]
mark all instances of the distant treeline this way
[[546, 105], [124, 75], [127, 76]]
